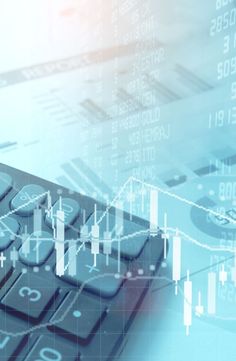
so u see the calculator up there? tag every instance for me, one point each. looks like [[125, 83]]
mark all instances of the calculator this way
[[67, 308]]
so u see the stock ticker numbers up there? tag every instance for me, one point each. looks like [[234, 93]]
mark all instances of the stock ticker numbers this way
[[223, 28], [137, 124], [221, 187]]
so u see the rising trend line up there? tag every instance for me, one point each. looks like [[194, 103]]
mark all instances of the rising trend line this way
[[113, 202]]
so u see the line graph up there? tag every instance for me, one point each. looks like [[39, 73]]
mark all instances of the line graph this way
[[186, 236], [152, 228], [113, 203], [126, 237]]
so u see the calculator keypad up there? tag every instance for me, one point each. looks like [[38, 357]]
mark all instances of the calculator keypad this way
[[30, 297], [36, 249], [71, 209], [9, 344], [27, 199], [47, 348], [80, 316], [101, 279], [9, 228], [73, 315], [6, 183]]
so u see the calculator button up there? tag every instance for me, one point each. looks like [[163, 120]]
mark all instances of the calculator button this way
[[5, 273], [5, 184], [82, 319], [30, 297], [100, 279], [9, 345], [47, 348], [36, 249], [71, 209], [9, 228], [27, 193], [131, 247]]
